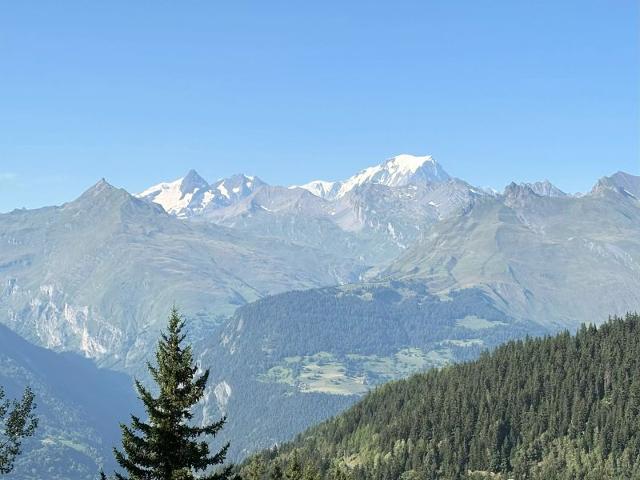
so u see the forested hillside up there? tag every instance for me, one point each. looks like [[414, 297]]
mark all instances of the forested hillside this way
[[290, 361], [563, 407], [79, 407]]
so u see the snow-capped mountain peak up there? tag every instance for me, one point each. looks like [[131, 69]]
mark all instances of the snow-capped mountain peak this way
[[320, 188], [237, 186], [397, 171], [408, 164], [545, 189], [177, 195], [191, 194]]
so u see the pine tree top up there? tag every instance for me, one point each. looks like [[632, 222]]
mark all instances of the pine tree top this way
[[167, 446]]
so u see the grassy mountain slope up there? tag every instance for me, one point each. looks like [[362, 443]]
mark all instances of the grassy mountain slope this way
[[563, 407]]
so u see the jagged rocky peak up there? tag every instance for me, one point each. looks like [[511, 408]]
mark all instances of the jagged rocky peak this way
[[101, 189], [620, 182], [192, 181], [545, 189], [518, 193], [517, 189], [103, 199], [538, 189]]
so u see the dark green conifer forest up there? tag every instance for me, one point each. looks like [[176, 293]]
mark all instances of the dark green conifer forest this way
[[562, 407]]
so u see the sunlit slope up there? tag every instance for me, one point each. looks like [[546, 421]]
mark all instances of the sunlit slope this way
[[556, 261], [557, 407]]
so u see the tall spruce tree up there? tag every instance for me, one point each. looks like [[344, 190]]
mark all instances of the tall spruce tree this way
[[168, 446]]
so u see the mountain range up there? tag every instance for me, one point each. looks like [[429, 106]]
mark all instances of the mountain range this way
[[96, 275], [302, 298]]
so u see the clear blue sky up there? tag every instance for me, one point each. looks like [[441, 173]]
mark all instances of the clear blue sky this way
[[139, 91]]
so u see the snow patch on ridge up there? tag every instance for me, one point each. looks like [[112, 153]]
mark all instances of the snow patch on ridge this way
[[223, 190], [319, 188], [169, 195]]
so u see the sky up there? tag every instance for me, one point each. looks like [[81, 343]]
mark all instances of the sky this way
[[141, 92]]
